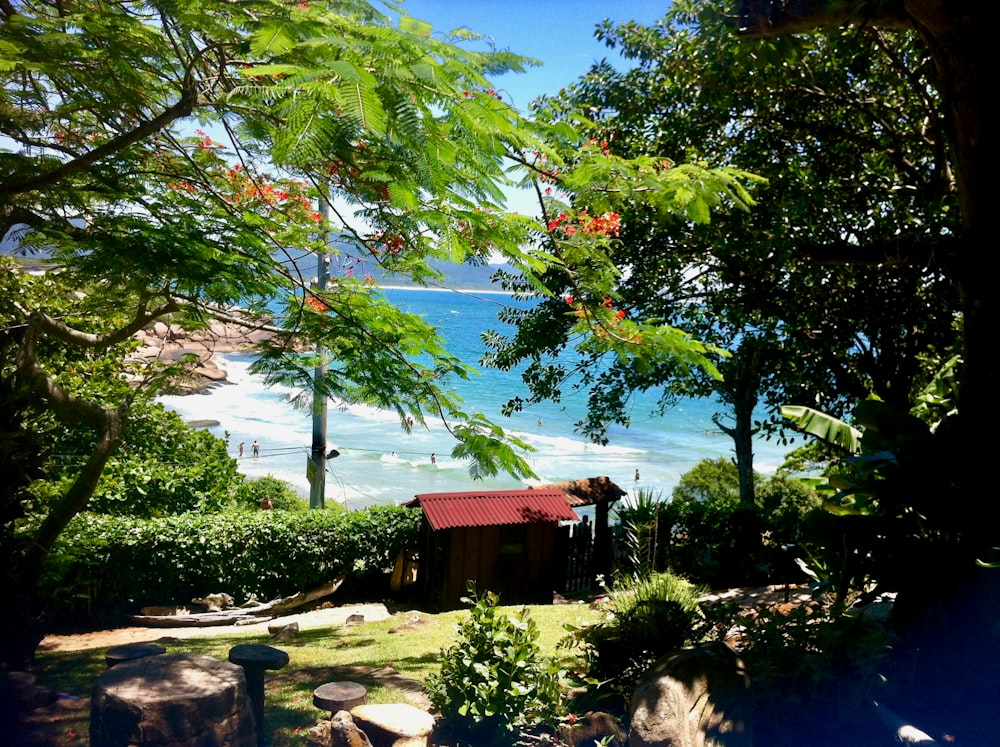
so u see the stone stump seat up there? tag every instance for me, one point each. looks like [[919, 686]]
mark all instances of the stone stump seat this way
[[130, 651], [171, 700], [394, 724], [255, 658], [339, 696]]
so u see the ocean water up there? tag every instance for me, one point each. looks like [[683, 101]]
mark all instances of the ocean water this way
[[380, 464]]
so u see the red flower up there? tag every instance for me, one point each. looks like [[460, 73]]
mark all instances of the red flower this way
[[315, 304]]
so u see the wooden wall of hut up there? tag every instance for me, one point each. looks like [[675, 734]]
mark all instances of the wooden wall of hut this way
[[518, 562]]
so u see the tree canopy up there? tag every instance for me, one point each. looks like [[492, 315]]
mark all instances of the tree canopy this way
[[175, 162], [853, 150]]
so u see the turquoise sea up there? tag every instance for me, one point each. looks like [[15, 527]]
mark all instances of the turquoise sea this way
[[381, 464]]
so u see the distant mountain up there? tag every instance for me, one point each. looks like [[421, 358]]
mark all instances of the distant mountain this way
[[458, 276]]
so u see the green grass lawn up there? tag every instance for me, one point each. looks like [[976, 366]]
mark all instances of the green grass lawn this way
[[365, 653]]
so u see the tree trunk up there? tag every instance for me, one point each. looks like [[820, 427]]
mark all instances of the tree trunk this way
[[740, 390], [25, 561]]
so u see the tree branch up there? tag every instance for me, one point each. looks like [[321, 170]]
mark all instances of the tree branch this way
[[67, 334], [764, 18], [899, 251], [183, 107], [75, 499]]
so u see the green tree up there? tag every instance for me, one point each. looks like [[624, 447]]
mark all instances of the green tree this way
[[392, 128], [720, 541], [793, 331], [952, 602]]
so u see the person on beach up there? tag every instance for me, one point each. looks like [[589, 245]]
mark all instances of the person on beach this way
[[637, 475], [434, 459], [265, 503], [241, 448], [255, 448]]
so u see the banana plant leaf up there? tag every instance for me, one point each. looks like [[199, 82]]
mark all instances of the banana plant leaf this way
[[823, 426]]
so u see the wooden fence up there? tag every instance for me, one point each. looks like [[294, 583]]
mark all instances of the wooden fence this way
[[578, 544]]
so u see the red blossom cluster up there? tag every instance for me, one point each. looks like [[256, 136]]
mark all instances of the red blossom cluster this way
[[603, 144], [607, 224], [489, 92], [205, 142], [315, 303], [393, 243], [248, 188], [605, 327]]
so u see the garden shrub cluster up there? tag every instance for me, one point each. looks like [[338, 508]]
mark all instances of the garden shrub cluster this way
[[105, 566], [645, 617], [716, 540], [493, 682]]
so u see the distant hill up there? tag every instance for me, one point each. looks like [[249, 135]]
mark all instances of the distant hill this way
[[459, 276]]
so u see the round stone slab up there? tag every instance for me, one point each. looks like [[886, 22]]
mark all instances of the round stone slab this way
[[258, 656], [130, 651], [339, 696]]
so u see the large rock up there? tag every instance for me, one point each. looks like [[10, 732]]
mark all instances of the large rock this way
[[696, 697], [167, 344], [339, 731], [394, 725]]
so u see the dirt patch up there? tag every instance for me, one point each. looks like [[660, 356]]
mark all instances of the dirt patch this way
[[319, 618]]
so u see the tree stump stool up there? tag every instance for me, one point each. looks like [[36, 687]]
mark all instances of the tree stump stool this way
[[130, 651], [339, 696], [171, 700], [255, 658], [394, 724]]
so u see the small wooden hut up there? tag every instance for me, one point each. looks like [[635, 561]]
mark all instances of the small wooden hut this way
[[599, 492], [506, 541]]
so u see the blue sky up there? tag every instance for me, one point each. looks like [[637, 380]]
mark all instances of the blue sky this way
[[560, 33]]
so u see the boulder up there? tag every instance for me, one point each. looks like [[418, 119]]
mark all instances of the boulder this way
[[340, 731], [284, 632], [696, 697], [394, 724], [345, 733]]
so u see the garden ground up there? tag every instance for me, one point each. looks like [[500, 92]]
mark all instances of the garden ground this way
[[60, 722]]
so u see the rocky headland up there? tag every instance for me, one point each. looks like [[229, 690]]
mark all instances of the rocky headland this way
[[171, 343]]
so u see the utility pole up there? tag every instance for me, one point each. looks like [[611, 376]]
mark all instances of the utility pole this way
[[316, 469]]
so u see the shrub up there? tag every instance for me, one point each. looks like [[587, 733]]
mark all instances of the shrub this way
[[645, 618], [115, 564], [808, 662], [493, 682], [164, 467], [718, 541], [283, 496], [641, 518]]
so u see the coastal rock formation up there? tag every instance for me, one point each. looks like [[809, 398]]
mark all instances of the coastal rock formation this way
[[171, 344]]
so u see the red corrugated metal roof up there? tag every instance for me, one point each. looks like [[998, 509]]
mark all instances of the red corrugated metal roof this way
[[494, 507]]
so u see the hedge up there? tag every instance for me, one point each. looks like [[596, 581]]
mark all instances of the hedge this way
[[105, 566]]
